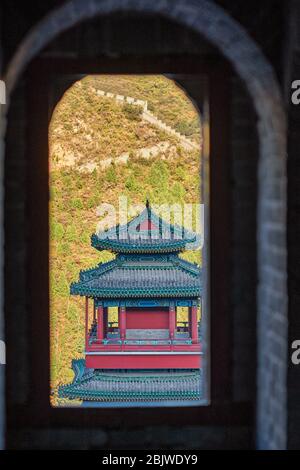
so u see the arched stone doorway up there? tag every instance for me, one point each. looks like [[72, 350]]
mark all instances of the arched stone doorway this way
[[212, 23]]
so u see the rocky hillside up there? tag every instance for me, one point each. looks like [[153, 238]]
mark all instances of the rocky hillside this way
[[90, 131]]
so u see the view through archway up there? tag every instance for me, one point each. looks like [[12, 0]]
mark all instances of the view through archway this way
[[126, 148]]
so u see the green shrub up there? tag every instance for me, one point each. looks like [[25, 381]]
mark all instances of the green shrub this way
[[84, 238], [159, 174], [132, 111], [151, 107], [67, 180], [111, 175], [76, 203], [178, 192], [67, 126], [57, 231], [188, 128], [79, 183], [71, 234], [92, 202], [131, 183], [60, 285], [181, 173], [94, 175]]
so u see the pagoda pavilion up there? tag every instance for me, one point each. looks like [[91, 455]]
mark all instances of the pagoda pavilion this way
[[147, 354]]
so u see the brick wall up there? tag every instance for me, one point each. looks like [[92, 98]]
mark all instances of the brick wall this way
[[243, 185], [292, 72], [293, 260], [15, 248]]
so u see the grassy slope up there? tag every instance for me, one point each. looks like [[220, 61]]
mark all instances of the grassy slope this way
[[92, 128], [75, 197]]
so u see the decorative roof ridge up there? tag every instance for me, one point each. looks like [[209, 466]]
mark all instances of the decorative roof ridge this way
[[78, 366], [144, 256], [120, 261], [136, 292], [160, 222], [186, 265], [129, 247], [87, 274], [150, 266]]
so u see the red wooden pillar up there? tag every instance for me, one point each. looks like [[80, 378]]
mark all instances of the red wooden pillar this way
[[190, 321], [194, 324], [100, 323], [86, 323], [172, 321], [122, 322]]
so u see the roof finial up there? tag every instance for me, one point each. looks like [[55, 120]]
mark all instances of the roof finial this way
[[147, 204]]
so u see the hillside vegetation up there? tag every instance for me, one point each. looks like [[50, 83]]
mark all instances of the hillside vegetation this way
[[88, 128]]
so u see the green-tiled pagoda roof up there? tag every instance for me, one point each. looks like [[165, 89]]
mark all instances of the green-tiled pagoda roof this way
[[141, 276], [159, 237], [137, 386]]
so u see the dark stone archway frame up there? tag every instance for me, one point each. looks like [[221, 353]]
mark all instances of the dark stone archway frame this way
[[217, 27]]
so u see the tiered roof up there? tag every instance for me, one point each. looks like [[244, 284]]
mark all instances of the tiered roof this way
[[131, 276], [146, 233], [135, 387], [147, 262]]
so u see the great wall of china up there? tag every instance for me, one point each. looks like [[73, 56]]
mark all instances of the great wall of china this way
[[147, 115]]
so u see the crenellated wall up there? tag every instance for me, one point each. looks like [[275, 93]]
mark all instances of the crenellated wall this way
[[122, 99], [148, 116]]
